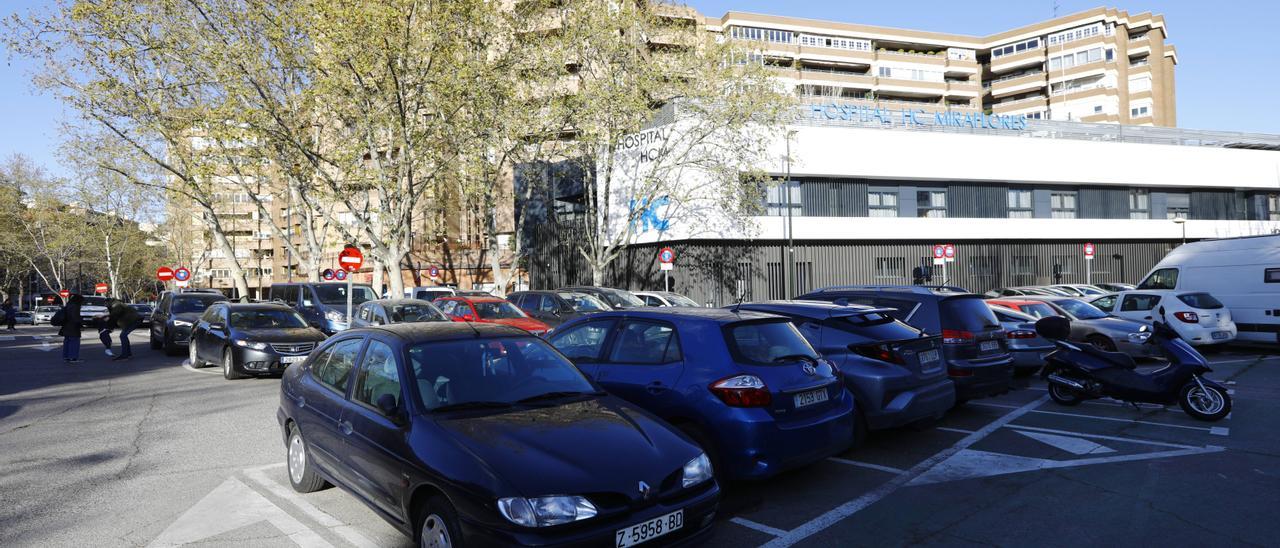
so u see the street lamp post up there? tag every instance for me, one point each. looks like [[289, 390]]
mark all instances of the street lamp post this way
[[1183, 223], [790, 269]]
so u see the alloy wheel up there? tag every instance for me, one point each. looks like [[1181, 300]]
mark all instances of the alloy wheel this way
[[297, 458], [1205, 401], [434, 532]]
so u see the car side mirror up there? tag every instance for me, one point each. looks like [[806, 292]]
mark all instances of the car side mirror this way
[[387, 405]]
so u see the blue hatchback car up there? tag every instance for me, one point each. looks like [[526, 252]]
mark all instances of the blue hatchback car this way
[[476, 434], [896, 372], [746, 386]]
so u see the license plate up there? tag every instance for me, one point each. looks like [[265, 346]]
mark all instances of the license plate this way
[[987, 346], [1219, 335], [292, 359], [928, 356], [649, 530], [811, 397]]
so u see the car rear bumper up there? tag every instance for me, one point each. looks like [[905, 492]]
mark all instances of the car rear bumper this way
[[1199, 335], [754, 445], [913, 404], [1029, 358], [699, 520], [974, 379]]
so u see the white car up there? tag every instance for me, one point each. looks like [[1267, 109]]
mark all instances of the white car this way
[[1197, 316], [45, 313], [664, 298], [1080, 290]]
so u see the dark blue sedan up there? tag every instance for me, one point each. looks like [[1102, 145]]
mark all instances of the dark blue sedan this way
[[462, 433], [744, 385]]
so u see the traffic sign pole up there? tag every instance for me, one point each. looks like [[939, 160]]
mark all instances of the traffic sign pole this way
[[1089, 251], [348, 301]]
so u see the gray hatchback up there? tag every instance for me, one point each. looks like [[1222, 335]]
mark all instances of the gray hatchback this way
[[1027, 346]]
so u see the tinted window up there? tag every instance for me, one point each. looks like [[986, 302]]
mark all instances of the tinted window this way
[[646, 343], [1200, 300], [767, 343], [447, 306], [1038, 310], [582, 342], [94, 301], [415, 312], [333, 367], [902, 309], [545, 303], [499, 310], [620, 299], [680, 300], [874, 326], [1139, 303], [190, 303], [1165, 278], [1107, 303], [212, 315], [967, 314], [491, 370], [1080, 309], [266, 319], [650, 300], [337, 293], [584, 303], [378, 375]]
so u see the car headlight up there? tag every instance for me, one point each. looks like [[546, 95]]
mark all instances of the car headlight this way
[[251, 344], [696, 471], [181, 323], [335, 316], [545, 511]]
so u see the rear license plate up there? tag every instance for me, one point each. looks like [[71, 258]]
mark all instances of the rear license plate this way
[[928, 357], [649, 530], [292, 359], [1220, 335], [811, 397], [987, 346]]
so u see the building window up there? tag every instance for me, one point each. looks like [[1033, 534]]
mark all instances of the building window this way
[[1023, 268], [768, 35], [1065, 265], [1020, 204], [931, 202], [1015, 48], [1138, 112], [220, 273], [775, 203], [882, 202], [1139, 204], [891, 268], [1177, 205], [1097, 109], [1063, 205], [1273, 207]]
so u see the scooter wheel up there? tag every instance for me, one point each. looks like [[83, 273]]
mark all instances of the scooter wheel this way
[[1208, 404], [1063, 395]]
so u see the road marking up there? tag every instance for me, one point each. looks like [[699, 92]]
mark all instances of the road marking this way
[[956, 430], [1070, 444], [231, 506], [970, 463], [872, 466], [1220, 431], [186, 364], [1103, 437], [350, 534], [854, 506], [758, 527], [1059, 413]]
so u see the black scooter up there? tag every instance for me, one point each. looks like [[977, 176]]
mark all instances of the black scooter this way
[[1083, 372]]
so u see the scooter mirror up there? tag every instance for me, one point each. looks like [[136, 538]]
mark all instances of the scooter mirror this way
[[1054, 328]]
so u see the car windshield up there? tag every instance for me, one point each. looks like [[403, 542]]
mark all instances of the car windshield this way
[[1165, 278], [266, 319], [875, 326], [498, 310], [47, 309], [415, 312], [767, 343], [679, 300], [621, 299], [491, 371], [1200, 300], [337, 293], [1038, 310], [584, 303], [1080, 309], [94, 301], [194, 303]]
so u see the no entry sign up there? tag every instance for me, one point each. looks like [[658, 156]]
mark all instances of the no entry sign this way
[[100, 288], [182, 274], [1088, 251], [350, 259], [327, 274], [164, 273], [64, 293], [666, 255]]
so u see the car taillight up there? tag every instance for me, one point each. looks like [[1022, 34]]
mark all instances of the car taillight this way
[[742, 391], [955, 336], [1020, 334], [882, 352], [1188, 317]]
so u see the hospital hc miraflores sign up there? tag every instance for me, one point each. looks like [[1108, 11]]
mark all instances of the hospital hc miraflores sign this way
[[913, 117]]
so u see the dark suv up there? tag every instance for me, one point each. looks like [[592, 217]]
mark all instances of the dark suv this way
[[175, 314], [973, 342], [556, 307], [323, 305]]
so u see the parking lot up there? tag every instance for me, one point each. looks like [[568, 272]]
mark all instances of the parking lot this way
[[150, 452]]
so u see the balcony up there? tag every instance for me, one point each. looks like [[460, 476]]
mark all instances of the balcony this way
[[964, 89], [840, 55], [1018, 84], [822, 77], [920, 87], [1092, 68], [924, 58], [1010, 63], [1005, 107]]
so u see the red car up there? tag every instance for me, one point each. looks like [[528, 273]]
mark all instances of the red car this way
[[489, 310]]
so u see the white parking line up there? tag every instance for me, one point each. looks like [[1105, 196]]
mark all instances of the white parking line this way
[[1102, 437], [854, 506], [350, 534], [872, 466], [1220, 431], [956, 430], [758, 527], [1134, 421]]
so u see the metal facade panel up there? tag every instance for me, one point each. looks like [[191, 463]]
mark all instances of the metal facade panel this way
[[1103, 203]]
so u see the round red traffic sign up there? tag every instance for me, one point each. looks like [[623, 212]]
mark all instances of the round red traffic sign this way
[[100, 288], [340, 275], [950, 251], [64, 293], [433, 271], [350, 259], [327, 274], [164, 273], [1088, 250], [182, 274], [666, 255], [939, 251]]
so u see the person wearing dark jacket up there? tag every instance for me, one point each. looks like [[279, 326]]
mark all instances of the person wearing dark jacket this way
[[70, 330], [124, 317], [10, 315]]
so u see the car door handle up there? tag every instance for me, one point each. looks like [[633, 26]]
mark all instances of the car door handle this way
[[655, 387], [345, 427], [1147, 318]]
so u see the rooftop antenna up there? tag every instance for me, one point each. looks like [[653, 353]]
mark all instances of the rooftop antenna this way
[[1053, 8], [738, 295]]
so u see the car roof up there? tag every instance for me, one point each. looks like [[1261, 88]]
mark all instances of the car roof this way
[[1017, 300], [443, 331], [811, 309], [898, 291], [719, 315], [474, 299], [385, 302], [253, 306]]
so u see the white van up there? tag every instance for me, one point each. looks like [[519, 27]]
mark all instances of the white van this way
[[1243, 273]]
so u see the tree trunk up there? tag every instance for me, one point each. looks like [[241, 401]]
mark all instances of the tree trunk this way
[[378, 277]]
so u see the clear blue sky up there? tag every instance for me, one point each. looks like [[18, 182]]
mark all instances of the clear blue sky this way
[[1228, 75]]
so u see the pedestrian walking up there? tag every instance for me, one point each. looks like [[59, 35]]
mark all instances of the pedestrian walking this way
[[69, 320], [10, 315], [102, 325], [126, 318]]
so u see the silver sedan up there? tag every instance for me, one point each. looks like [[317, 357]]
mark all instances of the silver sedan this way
[[1104, 331]]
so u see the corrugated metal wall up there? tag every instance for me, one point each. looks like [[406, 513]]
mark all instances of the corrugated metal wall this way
[[833, 197], [987, 201], [1102, 203], [1212, 205]]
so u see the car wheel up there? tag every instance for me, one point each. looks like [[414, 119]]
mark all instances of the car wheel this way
[[192, 357], [155, 343], [301, 476], [1101, 343], [170, 349], [228, 366], [437, 524]]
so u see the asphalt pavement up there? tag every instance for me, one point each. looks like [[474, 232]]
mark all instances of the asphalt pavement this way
[[149, 452]]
